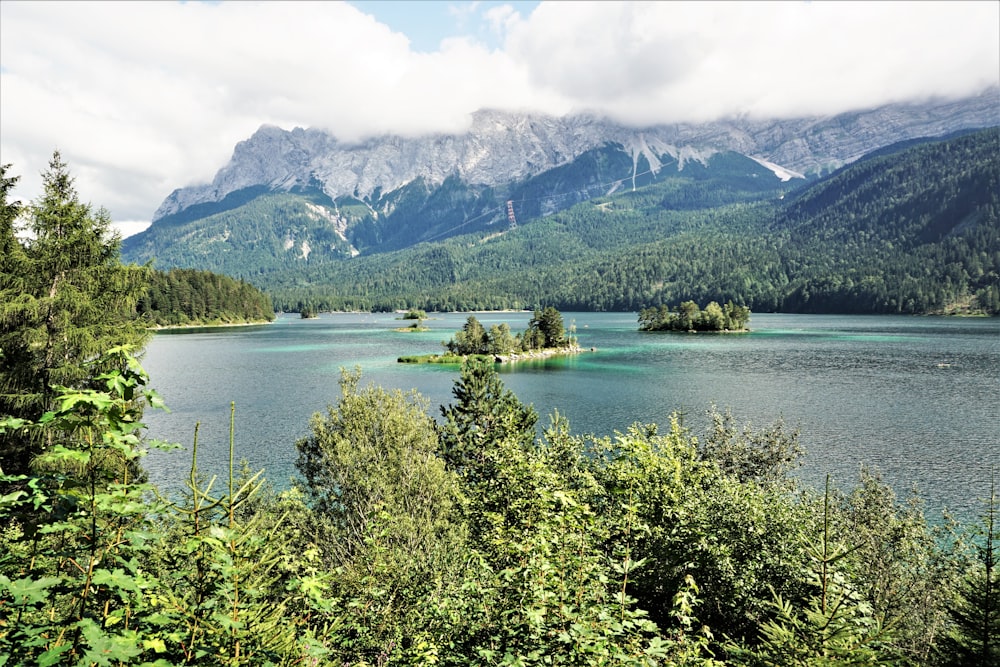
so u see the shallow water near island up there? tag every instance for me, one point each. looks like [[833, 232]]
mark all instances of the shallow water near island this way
[[916, 398]]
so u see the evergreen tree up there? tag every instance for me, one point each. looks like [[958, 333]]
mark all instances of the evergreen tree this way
[[10, 249], [485, 412], [65, 299], [472, 339], [975, 639]]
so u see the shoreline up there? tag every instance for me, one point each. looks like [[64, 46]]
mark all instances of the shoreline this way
[[512, 358], [213, 325], [515, 357]]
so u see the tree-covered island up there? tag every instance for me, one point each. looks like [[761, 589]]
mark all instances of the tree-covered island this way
[[545, 336], [688, 316]]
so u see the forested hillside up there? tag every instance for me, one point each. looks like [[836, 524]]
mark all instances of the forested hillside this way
[[246, 236], [256, 233], [912, 231]]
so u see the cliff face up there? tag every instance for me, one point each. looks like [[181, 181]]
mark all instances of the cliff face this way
[[503, 148]]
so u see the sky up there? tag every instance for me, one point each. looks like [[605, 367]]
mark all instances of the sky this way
[[141, 98]]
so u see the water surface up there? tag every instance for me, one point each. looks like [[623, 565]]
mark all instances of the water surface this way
[[916, 397]]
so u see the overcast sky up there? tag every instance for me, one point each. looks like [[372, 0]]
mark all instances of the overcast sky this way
[[145, 97]]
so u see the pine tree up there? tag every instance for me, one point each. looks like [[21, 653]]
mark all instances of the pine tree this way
[[975, 636], [65, 299]]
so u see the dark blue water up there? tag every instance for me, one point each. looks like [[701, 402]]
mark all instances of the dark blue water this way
[[917, 398]]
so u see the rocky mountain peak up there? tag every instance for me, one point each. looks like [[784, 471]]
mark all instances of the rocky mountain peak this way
[[503, 147]]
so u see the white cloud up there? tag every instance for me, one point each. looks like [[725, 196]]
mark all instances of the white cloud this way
[[676, 61], [142, 97]]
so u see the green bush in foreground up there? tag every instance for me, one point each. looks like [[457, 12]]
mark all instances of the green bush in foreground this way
[[471, 542]]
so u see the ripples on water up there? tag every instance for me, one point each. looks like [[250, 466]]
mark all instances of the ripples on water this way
[[914, 397]]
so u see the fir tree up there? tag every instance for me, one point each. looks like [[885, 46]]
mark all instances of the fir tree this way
[[484, 412], [975, 636], [65, 299]]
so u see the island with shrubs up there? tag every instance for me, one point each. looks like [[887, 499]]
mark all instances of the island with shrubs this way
[[545, 336], [417, 317]]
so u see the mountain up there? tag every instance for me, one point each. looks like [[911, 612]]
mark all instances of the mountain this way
[[302, 198], [914, 229]]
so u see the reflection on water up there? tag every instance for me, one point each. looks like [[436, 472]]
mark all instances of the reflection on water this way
[[916, 397]]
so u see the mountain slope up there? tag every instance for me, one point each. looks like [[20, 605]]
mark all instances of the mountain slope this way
[[391, 192], [501, 148], [266, 231], [912, 231]]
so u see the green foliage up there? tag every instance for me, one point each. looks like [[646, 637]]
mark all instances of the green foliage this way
[[188, 296], [689, 317], [545, 332], [903, 566], [11, 252], [736, 540], [835, 626], [974, 635], [100, 570], [764, 457], [65, 299], [485, 412], [551, 591], [470, 340], [415, 314], [227, 582], [71, 583], [384, 513], [473, 541]]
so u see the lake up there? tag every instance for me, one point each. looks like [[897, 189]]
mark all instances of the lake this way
[[914, 397]]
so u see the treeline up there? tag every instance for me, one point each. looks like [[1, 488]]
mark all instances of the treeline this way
[[916, 231], [688, 316], [473, 541], [190, 296]]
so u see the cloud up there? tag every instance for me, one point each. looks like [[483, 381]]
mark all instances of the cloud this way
[[676, 61], [142, 97]]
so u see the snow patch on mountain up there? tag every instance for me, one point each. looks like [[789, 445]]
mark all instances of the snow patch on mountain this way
[[778, 170]]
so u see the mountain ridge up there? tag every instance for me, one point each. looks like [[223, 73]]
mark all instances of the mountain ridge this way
[[505, 147]]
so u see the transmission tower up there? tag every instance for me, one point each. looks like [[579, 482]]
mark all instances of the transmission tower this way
[[510, 214]]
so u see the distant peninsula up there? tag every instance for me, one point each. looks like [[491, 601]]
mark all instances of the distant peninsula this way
[[545, 336], [188, 298], [689, 317]]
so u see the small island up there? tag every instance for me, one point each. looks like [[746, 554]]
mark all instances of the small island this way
[[545, 336], [418, 325], [689, 317]]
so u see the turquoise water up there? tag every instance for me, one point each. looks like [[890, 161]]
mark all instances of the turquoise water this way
[[915, 397]]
